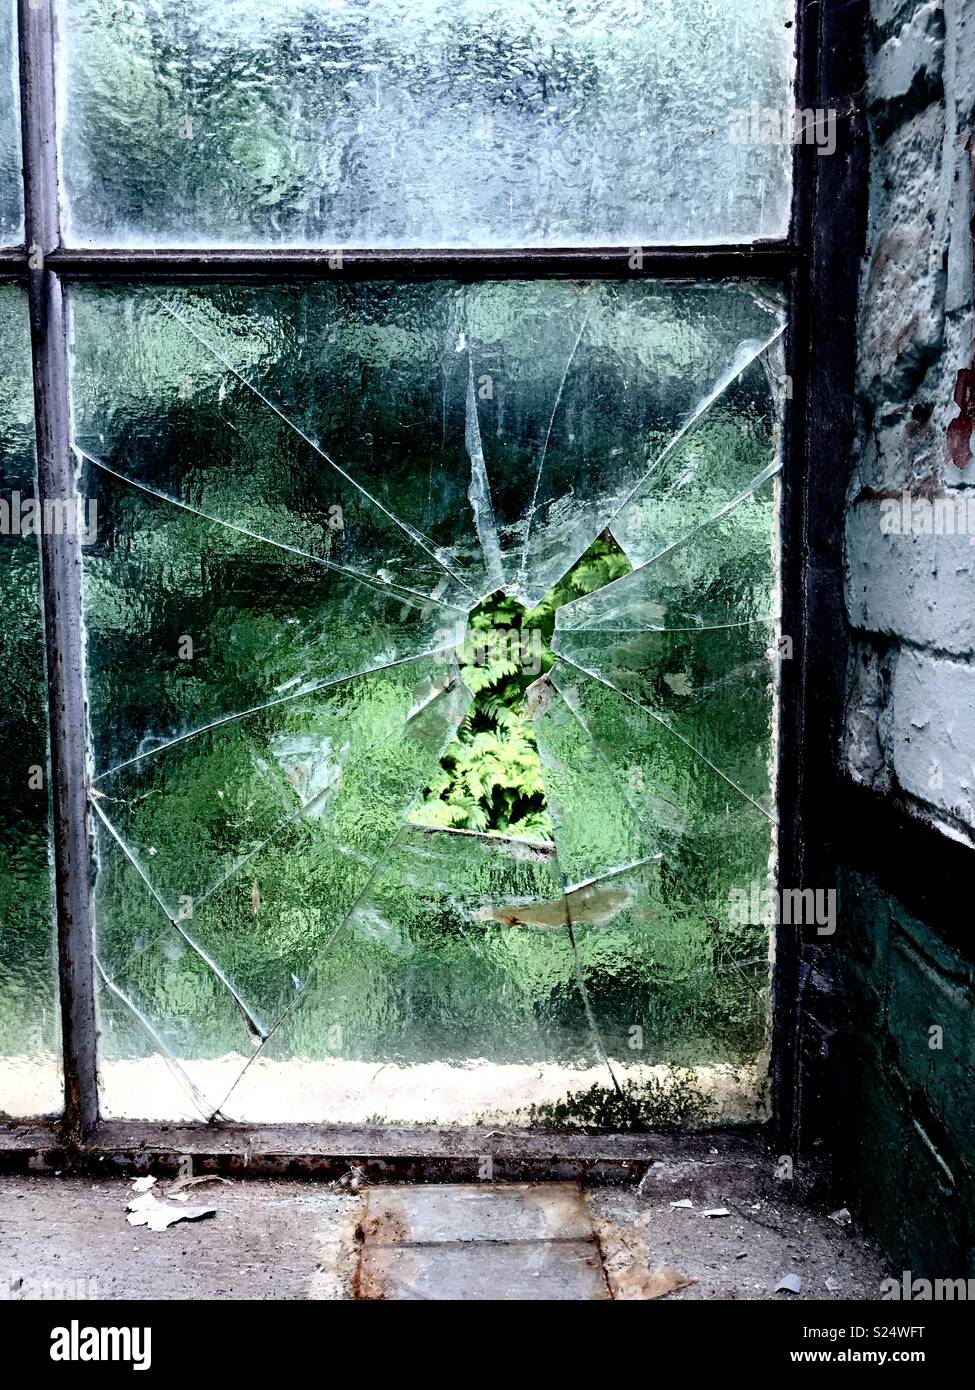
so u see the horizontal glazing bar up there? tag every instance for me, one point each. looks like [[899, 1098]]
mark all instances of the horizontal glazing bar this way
[[702, 262]]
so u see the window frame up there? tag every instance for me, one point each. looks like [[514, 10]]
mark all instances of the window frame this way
[[817, 263]]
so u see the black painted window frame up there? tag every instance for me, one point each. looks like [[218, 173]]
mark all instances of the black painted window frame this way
[[817, 263]]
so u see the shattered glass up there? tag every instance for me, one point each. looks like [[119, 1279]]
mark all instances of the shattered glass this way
[[29, 1026], [11, 185], [305, 496], [425, 123]]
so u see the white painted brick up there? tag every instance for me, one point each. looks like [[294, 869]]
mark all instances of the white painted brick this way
[[913, 57], [903, 289], [866, 731], [891, 14], [917, 588], [933, 732]]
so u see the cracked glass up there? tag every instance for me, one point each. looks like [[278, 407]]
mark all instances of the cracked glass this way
[[425, 123], [432, 686], [30, 1082]]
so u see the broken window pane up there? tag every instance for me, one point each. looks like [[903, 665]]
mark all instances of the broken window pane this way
[[11, 187], [29, 1029], [388, 124], [430, 638]]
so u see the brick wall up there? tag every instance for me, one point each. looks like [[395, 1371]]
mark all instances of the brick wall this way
[[909, 1118], [911, 593]]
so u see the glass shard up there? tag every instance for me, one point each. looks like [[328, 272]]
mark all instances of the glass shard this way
[[666, 979], [722, 573], [264, 923], [713, 687], [223, 623], [729, 451], [171, 1036], [232, 787], [584, 389], [309, 122], [595, 830], [257, 465], [666, 984], [689, 637]]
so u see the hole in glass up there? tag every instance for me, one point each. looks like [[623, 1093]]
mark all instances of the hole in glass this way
[[490, 778]]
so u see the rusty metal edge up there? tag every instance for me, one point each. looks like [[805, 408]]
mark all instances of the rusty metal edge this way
[[384, 1154]]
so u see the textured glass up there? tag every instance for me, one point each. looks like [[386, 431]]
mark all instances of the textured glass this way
[[426, 122], [29, 1030], [307, 500], [11, 187], [449, 440]]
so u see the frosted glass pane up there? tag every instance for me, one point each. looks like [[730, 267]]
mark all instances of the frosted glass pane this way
[[11, 187], [456, 959], [29, 1029], [713, 839], [446, 439], [720, 572], [349, 867], [695, 987], [451, 123]]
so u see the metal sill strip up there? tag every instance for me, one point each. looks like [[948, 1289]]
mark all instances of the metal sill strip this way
[[384, 1154]]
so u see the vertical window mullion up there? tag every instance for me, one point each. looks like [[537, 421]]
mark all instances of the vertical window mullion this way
[[60, 570]]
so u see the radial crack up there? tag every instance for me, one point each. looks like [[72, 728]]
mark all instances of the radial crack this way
[[252, 1024], [306, 806], [479, 491], [379, 587], [601, 680], [613, 873], [302, 693], [418, 539], [203, 1105], [523, 566]]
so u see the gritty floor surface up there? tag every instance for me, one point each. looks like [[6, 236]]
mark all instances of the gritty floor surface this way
[[278, 1239]]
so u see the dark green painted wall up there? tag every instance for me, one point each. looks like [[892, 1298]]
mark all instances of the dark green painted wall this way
[[906, 1122]]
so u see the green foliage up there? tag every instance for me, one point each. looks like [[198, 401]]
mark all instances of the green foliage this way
[[674, 1101], [491, 775]]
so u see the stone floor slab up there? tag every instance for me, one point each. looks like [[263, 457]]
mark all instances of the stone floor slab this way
[[461, 1212], [522, 1271]]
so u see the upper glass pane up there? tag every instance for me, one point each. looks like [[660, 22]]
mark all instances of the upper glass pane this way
[[11, 186], [423, 123]]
